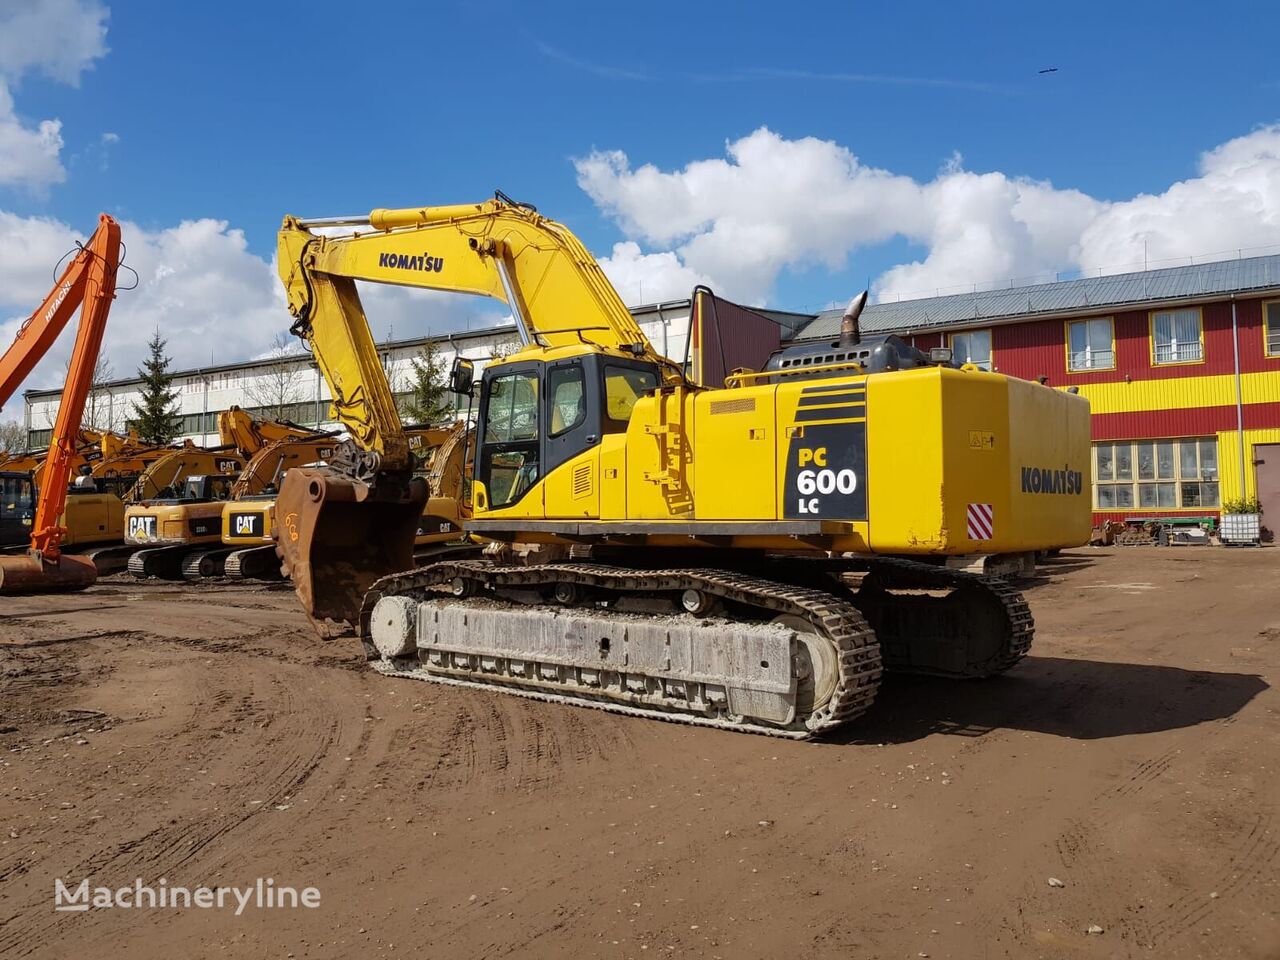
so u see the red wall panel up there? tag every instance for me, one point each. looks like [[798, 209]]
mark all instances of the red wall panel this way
[[1191, 422], [1037, 348]]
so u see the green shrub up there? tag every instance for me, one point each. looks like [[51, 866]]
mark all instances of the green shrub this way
[[1241, 505]]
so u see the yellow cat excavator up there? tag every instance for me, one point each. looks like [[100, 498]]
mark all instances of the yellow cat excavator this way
[[175, 516], [249, 519], [749, 557]]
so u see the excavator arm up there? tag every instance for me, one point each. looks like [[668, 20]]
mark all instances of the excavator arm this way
[[240, 429], [89, 279], [345, 526], [554, 287]]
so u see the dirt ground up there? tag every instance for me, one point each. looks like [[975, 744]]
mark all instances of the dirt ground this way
[[207, 737]]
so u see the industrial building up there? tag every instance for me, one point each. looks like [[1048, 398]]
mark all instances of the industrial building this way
[[290, 385], [1181, 366]]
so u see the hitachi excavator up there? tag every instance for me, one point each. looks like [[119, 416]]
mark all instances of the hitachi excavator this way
[[89, 279], [749, 557]]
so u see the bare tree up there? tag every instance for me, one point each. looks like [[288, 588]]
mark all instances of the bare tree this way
[[505, 348], [102, 411], [13, 437], [277, 386]]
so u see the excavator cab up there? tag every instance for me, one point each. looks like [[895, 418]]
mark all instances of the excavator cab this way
[[17, 508], [580, 399]]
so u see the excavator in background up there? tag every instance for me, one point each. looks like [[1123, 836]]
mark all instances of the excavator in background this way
[[87, 445], [750, 557], [89, 280], [247, 525], [249, 522], [175, 516], [93, 515]]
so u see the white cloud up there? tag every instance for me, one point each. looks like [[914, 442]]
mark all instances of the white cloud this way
[[774, 204], [213, 299], [58, 38], [29, 156], [1234, 203], [648, 277]]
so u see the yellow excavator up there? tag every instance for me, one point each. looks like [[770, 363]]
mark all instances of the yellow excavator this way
[[749, 557], [248, 528], [174, 521], [105, 465], [248, 519]]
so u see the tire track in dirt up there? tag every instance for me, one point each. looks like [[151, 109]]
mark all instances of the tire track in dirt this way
[[1256, 853], [1093, 867], [284, 739]]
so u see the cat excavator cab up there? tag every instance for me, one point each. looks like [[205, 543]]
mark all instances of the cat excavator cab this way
[[750, 557]]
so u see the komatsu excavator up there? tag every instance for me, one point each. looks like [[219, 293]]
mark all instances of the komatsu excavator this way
[[88, 279], [749, 557]]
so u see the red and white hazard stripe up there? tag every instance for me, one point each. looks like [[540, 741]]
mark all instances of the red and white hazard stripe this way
[[981, 521]]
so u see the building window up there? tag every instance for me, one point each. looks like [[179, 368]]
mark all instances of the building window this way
[[1176, 336], [1156, 474], [1271, 327], [1090, 345], [973, 346]]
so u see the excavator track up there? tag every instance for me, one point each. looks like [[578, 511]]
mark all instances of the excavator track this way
[[164, 563], [203, 564], [980, 628], [252, 563], [833, 681]]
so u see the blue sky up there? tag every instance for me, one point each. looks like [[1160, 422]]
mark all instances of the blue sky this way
[[242, 112]]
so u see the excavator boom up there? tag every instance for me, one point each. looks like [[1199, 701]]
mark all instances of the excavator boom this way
[[89, 279]]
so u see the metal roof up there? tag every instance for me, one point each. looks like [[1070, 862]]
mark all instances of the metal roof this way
[[1088, 295]]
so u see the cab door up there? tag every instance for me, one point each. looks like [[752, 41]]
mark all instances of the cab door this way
[[509, 462], [572, 416]]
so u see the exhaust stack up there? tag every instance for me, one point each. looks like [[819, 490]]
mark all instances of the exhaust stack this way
[[850, 332]]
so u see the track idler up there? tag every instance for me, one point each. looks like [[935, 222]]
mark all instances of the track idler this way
[[336, 535], [29, 573]]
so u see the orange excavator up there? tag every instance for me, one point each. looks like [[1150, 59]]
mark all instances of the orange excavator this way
[[89, 279]]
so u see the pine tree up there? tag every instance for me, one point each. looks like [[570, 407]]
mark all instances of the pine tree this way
[[156, 415], [428, 400]]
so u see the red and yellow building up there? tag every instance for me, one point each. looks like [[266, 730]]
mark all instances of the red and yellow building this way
[[1181, 367]]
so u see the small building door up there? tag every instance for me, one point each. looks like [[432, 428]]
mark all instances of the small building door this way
[[1266, 473]]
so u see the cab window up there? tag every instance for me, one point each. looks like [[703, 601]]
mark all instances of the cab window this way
[[509, 457], [513, 408], [568, 401], [15, 498], [623, 386]]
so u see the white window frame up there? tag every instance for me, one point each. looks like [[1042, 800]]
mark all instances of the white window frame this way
[[1175, 350], [1271, 328], [1142, 474], [1089, 358]]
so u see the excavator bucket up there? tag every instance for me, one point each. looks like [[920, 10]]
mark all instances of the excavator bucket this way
[[27, 573], [335, 536]]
